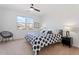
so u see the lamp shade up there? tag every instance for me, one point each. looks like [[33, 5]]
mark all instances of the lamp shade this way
[[67, 28]]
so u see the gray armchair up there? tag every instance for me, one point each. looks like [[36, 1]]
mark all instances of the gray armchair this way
[[6, 35]]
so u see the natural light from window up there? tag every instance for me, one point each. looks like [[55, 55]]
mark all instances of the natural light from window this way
[[24, 22]]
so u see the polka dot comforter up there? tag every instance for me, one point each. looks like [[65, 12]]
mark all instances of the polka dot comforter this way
[[40, 40]]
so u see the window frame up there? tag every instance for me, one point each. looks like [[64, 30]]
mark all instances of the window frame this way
[[26, 28]]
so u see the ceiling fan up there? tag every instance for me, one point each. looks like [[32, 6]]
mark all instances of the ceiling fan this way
[[32, 7]]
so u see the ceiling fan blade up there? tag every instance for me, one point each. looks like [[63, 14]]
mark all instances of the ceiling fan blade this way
[[36, 9]]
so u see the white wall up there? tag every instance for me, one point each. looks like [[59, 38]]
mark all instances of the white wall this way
[[1, 16], [57, 19], [58, 22], [8, 22]]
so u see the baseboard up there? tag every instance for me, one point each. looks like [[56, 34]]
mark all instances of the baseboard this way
[[75, 46]]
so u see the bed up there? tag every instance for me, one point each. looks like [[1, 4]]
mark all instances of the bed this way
[[39, 40]]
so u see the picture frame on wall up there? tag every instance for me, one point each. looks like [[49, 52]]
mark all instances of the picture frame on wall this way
[[36, 25]]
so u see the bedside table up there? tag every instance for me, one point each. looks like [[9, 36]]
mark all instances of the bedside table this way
[[67, 41]]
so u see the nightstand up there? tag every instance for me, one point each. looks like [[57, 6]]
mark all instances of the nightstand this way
[[67, 41]]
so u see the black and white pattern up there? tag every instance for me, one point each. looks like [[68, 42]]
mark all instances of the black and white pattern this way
[[42, 40]]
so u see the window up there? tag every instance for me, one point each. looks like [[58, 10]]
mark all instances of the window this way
[[29, 23], [24, 22]]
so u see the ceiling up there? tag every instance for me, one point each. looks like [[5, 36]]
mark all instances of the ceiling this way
[[44, 8]]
